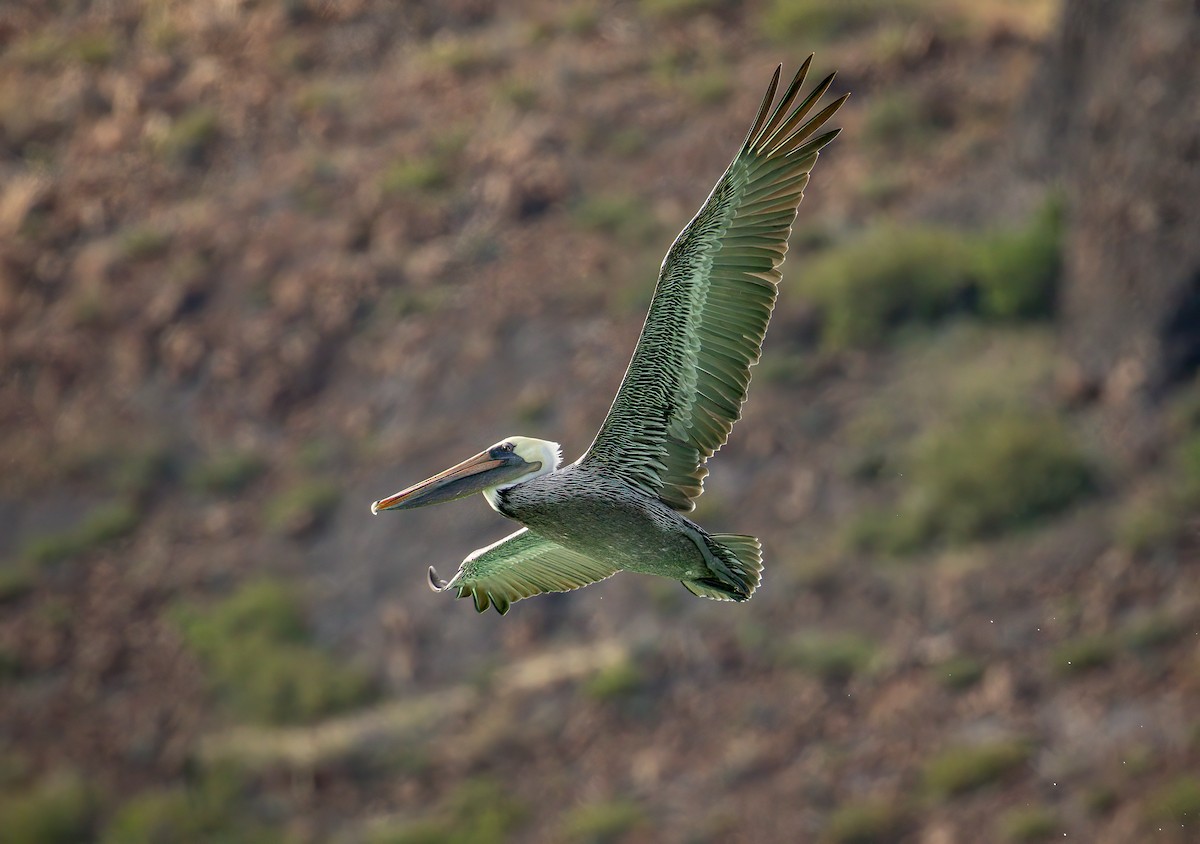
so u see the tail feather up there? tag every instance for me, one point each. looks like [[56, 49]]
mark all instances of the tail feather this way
[[742, 559]]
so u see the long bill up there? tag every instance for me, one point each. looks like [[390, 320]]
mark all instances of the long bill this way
[[486, 469]]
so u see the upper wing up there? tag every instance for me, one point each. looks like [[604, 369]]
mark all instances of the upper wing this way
[[687, 381], [520, 566]]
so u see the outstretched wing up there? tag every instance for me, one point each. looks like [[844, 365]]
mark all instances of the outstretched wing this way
[[520, 566], [687, 381]]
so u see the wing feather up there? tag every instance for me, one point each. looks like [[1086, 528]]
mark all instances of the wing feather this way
[[686, 384], [519, 566]]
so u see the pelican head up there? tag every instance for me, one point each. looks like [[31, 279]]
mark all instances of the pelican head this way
[[509, 462]]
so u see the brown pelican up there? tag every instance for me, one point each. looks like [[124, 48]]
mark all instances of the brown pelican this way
[[620, 505]]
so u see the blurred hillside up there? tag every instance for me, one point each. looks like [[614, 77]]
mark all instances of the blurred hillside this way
[[265, 261]]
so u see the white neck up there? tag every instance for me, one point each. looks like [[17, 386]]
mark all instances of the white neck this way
[[543, 457]]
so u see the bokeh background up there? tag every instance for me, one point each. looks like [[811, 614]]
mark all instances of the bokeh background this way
[[265, 261]]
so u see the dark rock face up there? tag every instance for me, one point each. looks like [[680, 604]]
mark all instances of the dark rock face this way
[[1117, 117]]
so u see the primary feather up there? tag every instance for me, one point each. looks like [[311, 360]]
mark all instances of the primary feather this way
[[687, 381]]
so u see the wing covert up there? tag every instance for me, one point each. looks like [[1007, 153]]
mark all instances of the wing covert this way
[[688, 378], [519, 566]]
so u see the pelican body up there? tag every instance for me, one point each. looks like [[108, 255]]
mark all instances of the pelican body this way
[[620, 506], [598, 515]]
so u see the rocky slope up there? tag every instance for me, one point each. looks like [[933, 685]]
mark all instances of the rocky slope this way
[[264, 262]]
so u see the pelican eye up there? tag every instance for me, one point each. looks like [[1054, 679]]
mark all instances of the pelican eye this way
[[503, 448]]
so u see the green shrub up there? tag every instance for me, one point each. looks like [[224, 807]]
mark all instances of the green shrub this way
[[419, 174], [52, 548], [256, 650], [480, 811], [57, 810], [10, 665], [128, 470], [885, 277], [1138, 760], [179, 815], [602, 823], [881, 189], [534, 407], [988, 475], [287, 684], [1100, 799], [1159, 518], [302, 508], [318, 453], [1152, 521], [627, 142], [464, 57], [190, 136], [1035, 823], [141, 242], [785, 367], [38, 50], [866, 822], [1176, 802], [89, 307], [1084, 654], [959, 672], [580, 19], [829, 656], [109, 522], [14, 770], [883, 531], [1183, 412], [484, 811], [400, 302], [615, 681], [94, 48], [999, 472], [322, 97], [1018, 270], [891, 275], [900, 120], [616, 215], [104, 524], [521, 93], [16, 579], [960, 770], [262, 609], [43, 50], [426, 831], [816, 20], [228, 473], [1151, 630], [1185, 461], [211, 808], [678, 8], [135, 472], [709, 87], [159, 817]]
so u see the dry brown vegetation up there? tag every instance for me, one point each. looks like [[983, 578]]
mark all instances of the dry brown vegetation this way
[[263, 262]]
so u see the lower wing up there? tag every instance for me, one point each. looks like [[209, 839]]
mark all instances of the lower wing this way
[[520, 566]]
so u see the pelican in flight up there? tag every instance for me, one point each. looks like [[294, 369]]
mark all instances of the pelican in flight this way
[[620, 506]]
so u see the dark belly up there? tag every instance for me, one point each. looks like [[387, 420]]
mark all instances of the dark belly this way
[[636, 534]]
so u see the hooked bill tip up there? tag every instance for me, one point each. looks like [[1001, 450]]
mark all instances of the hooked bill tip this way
[[436, 583], [374, 508]]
